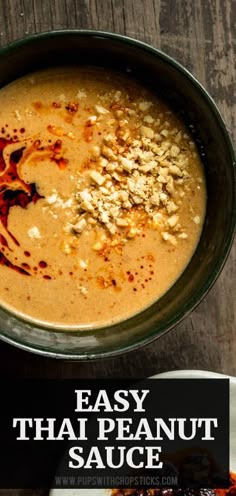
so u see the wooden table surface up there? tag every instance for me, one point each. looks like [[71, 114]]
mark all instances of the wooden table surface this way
[[201, 34]]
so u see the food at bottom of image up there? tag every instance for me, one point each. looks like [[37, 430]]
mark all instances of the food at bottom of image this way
[[102, 197], [231, 491]]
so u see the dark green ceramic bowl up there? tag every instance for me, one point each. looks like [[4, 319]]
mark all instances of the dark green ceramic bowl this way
[[176, 85]]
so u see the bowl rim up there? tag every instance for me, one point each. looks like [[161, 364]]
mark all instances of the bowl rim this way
[[204, 289]]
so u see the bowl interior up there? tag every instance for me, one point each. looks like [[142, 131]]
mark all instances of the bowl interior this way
[[196, 108]]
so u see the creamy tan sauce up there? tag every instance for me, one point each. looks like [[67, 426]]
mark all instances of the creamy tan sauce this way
[[100, 273]]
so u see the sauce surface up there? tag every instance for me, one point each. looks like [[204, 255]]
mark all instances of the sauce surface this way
[[102, 197]]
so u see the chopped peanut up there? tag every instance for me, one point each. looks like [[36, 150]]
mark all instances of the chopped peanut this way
[[139, 175]]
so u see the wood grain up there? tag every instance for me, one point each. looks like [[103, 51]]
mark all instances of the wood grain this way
[[200, 34]]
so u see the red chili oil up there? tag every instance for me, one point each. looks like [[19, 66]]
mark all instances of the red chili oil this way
[[37, 105], [25, 265], [72, 107], [56, 155], [43, 264], [4, 242], [13, 191], [21, 195], [88, 131], [4, 261]]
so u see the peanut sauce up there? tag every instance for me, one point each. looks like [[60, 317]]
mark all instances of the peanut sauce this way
[[102, 197]]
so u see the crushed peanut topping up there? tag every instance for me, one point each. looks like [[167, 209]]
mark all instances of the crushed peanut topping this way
[[137, 177], [34, 233]]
